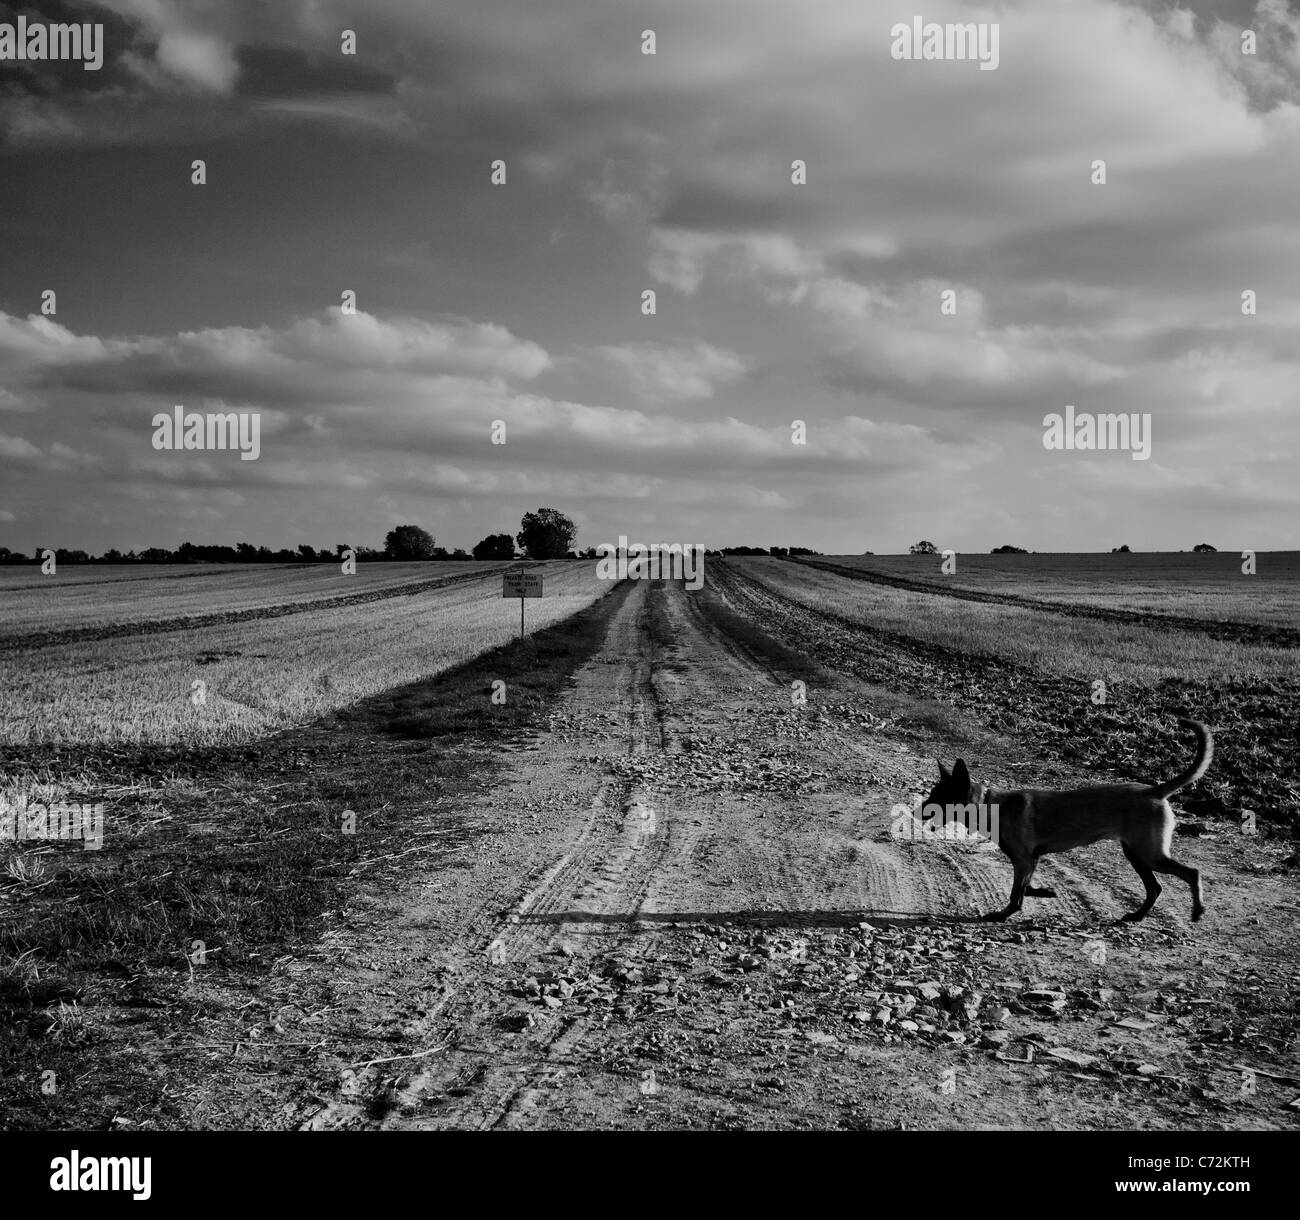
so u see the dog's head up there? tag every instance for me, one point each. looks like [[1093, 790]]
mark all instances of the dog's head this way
[[954, 787]]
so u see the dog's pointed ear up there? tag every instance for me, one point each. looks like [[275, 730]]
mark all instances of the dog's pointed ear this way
[[944, 773], [959, 772]]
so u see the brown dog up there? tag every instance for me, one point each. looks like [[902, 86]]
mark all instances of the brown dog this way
[[1034, 822]]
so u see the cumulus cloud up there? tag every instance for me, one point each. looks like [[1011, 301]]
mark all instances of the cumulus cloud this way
[[202, 60], [266, 358], [57, 457], [1270, 73], [677, 257], [905, 337], [367, 385], [16, 449], [192, 42], [658, 373]]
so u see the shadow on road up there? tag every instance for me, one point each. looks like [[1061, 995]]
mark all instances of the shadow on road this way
[[754, 918]]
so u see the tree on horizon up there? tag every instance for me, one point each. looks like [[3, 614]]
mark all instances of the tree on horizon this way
[[409, 542], [546, 534]]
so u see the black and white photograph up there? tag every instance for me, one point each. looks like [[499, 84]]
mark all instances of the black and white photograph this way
[[624, 566]]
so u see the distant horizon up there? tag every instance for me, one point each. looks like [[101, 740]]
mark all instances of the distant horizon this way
[[28, 553]]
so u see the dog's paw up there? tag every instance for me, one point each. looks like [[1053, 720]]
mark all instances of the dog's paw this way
[[1040, 892], [995, 916], [1197, 912], [1132, 917]]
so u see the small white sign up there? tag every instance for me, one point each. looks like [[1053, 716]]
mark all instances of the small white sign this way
[[521, 584]]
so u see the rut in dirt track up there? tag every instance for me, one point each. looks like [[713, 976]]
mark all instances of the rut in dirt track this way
[[587, 898]]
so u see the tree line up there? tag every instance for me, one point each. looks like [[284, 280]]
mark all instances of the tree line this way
[[544, 534]]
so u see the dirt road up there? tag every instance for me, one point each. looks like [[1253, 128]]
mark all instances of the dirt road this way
[[687, 910]]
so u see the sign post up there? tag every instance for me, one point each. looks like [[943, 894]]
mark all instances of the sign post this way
[[519, 583]]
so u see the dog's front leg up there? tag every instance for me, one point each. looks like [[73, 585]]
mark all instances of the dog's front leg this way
[[1036, 891], [1024, 870]]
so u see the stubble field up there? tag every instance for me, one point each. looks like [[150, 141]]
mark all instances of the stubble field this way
[[222, 654]]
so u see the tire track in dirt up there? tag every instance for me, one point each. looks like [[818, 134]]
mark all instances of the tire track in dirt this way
[[602, 874], [785, 860], [587, 899]]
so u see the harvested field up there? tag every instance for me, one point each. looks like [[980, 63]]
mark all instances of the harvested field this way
[[660, 885], [262, 666]]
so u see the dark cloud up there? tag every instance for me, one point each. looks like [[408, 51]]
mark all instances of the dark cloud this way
[[279, 71]]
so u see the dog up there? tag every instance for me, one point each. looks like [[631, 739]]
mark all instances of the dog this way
[[1035, 822]]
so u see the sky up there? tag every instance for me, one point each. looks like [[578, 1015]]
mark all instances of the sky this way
[[482, 304]]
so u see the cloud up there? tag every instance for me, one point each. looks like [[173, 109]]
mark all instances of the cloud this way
[[409, 344], [657, 373], [1271, 74], [38, 340], [367, 386], [630, 183], [680, 257], [264, 359], [58, 457], [677, 257], [905, 337], [202, 60], [16, 449], [378, 114]]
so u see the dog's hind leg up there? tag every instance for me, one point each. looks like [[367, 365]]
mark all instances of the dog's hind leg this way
[[1170, 866], [1148, 879]]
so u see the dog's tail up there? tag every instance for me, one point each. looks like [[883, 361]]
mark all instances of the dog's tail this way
[[1200, 765]]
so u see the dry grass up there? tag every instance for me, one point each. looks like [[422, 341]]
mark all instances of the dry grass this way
[[95, 595], [263, 674], [1040, 640], [1208, 586]]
